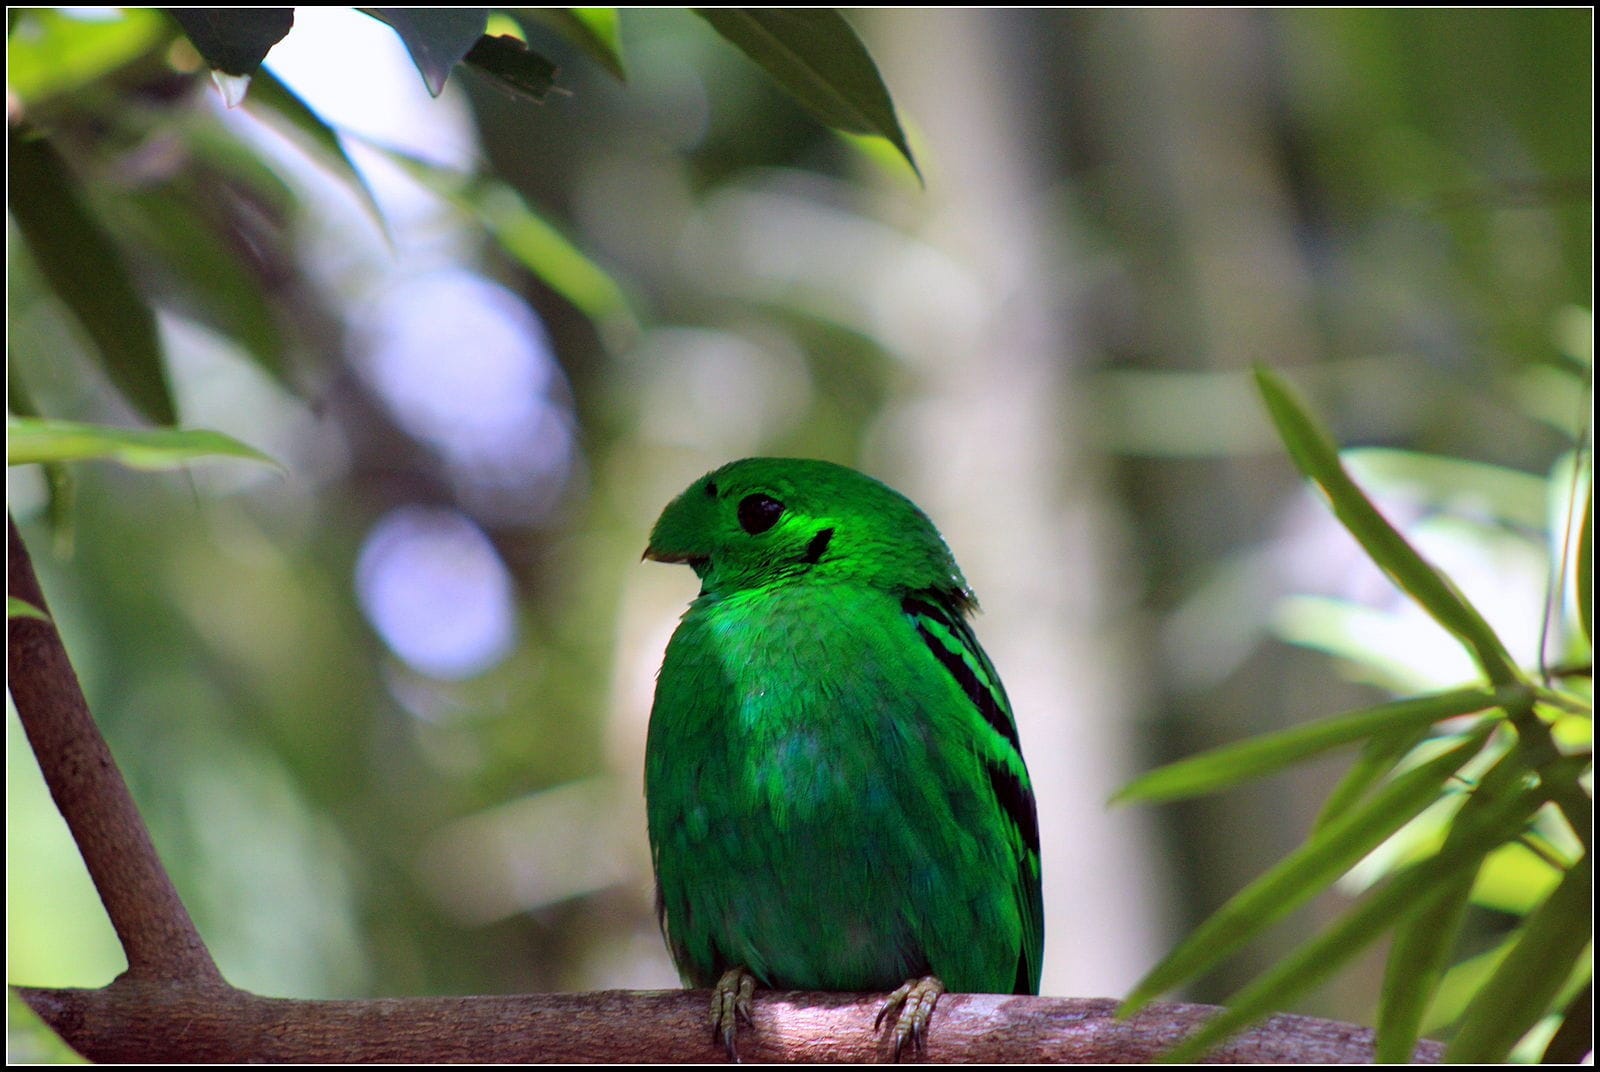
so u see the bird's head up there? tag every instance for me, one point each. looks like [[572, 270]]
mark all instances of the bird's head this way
[[768, 521]]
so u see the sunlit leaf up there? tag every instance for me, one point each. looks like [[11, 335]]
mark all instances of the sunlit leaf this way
[[1417, 961], [1318, 458], [1514, 879], [1575, 1037], [30, 441], [86, 271], [1522, 988], [1231, 764], [438, 38], [1302, 874], [1412, 890], [815, 55], [595, 30], [57, 52], [21, 608], [234, 40], [313, 135]]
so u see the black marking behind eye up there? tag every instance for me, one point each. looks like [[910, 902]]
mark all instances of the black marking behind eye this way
[[758, 513], [818, 546]]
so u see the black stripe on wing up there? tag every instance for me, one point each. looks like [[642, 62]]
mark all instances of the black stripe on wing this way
[[958, 654]]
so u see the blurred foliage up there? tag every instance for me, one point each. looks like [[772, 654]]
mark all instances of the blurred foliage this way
[[1395, 201], [1522, 792]]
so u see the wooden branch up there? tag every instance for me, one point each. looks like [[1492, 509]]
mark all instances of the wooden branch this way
[[136, 1021], [155, 930], [172, 1004]]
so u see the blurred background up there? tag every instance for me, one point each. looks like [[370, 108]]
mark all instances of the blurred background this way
[[384, 711]]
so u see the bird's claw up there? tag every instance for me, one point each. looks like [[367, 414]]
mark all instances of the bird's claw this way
[[915, 1000], [730, 1003]]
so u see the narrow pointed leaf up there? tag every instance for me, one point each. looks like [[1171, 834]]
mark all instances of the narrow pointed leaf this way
[[234, 40], [1575, 1036], [1521, 990], [532, 240], [85, 269], [1318, 459], [815, 55], [438, 38], [30, 441], [1302, 874], [1239, 762], [1378, 757], [1414, 889], [307, 129], [1417, 962]]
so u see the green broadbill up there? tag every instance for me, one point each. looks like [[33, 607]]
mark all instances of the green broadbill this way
[[835, 789]]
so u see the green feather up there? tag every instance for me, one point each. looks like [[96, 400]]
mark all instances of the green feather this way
[[836, 793]]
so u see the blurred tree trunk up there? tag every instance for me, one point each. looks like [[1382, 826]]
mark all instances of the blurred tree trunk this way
[[995, 450]]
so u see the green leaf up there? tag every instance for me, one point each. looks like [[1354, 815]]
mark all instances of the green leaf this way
[[86, 271], [438, 38], [234, 40], [313, 135], [1417, 962], [21, 608], [815, 55], [1378, 757], [513, 65], [532, 240], [1302, 874], [55, 53], [1416, 889], [1521, 990], [1318, 458], [1239, 762], [30, 441], [595, 30]]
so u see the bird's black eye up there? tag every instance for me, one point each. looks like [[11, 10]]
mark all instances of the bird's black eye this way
[[711, 489], [758, 513]]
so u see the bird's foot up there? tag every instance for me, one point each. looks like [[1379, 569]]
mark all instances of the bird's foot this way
[[730, 1003], [915, 1001]]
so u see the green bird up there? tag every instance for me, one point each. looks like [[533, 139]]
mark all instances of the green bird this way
[[834, 785]]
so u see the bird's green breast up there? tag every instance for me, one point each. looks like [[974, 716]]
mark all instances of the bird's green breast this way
[[819, 805]]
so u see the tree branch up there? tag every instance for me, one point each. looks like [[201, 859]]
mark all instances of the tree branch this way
[[137, 1021], [155, 930]]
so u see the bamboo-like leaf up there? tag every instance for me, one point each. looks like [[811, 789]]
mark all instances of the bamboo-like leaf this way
[[1417, 962], [1302, 874], [31, 441], [1318, 458], [1575, 1036], [313, 136], [21, 608], [1378, 757], [438, 38], [531, 239], [1234, 763], [86, 271], [1521, 990], [234, 40], [1415, 889], [815, 55]]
